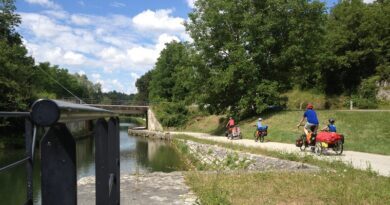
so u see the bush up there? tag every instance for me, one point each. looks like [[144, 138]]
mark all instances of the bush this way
[[171, 114], [364, 103], [366, 98], [298, 99]]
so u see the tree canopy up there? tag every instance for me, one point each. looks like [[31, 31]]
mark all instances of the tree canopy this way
[[246, 53]]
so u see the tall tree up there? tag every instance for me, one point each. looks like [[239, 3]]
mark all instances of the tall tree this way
[[165, 82], [358, 44], [250, 56], [142, 85]]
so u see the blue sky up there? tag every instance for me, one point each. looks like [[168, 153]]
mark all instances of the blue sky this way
[[112, 42]]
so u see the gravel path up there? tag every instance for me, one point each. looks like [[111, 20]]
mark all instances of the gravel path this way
[[359, 160]]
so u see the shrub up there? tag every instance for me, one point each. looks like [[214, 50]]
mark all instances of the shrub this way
[[171, 114]]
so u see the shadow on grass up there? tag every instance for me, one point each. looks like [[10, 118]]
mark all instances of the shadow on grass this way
[[220, 130]]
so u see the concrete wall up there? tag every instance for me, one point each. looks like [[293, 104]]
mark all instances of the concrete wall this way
[[153, 124]]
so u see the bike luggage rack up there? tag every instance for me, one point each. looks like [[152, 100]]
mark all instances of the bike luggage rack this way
[[58, 151]]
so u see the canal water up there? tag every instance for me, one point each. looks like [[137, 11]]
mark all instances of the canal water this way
[[138, 155]]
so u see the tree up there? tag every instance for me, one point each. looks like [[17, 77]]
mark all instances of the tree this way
[[272, 45], [142, 85], [9, 20], [358, 44], [165, 83]]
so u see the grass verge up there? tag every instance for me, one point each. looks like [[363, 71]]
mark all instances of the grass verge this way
[[337, 183]]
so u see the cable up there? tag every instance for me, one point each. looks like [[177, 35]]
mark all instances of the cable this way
[[81, 101]]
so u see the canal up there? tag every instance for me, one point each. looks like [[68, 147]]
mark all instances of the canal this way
[[138, 155]]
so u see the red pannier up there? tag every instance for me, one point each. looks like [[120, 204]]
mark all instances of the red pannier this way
[[328, 137]]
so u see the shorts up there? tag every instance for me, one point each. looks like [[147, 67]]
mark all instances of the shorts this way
[[310, 126]]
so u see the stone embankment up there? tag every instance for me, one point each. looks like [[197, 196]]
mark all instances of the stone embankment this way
[[143, 189], [149, 134], [226, 159]]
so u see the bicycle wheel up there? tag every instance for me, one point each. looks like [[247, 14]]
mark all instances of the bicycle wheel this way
[[255, 135], [304, 144], [338, 147], [318, 148]]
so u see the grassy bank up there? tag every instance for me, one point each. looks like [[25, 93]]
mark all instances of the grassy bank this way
[[365, 131], [139, 121], [337, 183], [337, 187]]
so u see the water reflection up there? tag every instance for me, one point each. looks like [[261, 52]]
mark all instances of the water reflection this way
[[137, 155]]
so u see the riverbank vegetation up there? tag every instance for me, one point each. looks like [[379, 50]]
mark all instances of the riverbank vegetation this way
[[243, 63], [336, 183]]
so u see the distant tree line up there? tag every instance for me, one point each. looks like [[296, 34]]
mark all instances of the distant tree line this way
[[246, 53]]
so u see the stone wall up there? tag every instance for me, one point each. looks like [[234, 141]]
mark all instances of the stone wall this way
[[153, 123], [150, 134], [384, 91]]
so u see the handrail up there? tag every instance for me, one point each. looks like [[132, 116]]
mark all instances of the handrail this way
[[49, 112], [14, 164], [14, 114], [58, 151]]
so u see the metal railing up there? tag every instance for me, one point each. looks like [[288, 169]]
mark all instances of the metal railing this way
[[58, 151], [101, 101]]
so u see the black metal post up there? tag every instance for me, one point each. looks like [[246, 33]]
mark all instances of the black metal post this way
[[113, 161], [58, 167], [101, 162], [28, 134]]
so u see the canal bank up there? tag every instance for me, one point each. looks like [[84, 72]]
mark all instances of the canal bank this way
[[138, 156]]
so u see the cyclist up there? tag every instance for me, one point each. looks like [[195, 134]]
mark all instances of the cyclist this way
[[312, 122]]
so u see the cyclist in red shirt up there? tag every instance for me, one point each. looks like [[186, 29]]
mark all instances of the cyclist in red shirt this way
[[230, 124]]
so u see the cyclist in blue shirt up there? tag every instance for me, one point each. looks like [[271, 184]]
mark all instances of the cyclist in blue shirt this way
[[331, 127], [260, 126], [311, 120]]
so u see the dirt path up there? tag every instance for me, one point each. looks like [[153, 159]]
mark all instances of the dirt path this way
[[359, 160]]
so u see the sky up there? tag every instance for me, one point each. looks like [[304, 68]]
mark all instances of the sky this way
[[113, 42]]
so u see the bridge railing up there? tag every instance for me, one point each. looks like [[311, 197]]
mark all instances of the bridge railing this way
[[101, 101], [58, 151]]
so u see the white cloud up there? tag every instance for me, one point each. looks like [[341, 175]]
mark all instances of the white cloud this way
[[368, 1], [96, 76], [159, 20], [45, 3], [113, 49], [80, 20], [73, 58], [191, 3]]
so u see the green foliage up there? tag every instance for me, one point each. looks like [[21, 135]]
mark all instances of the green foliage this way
[[9, 20], [240, 62], [357, 44], [170, 78], [171, 114], [142, 85]]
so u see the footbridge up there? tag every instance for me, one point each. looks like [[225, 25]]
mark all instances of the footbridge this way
[[123, 108], [151, 120]]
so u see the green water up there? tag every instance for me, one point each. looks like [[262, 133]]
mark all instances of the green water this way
[[137, 155]]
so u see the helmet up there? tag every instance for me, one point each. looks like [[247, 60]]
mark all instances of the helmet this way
[[331, 120], [309, 106], [260, 119]]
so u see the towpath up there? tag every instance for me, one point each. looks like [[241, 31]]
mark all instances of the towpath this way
[[360, 160]]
